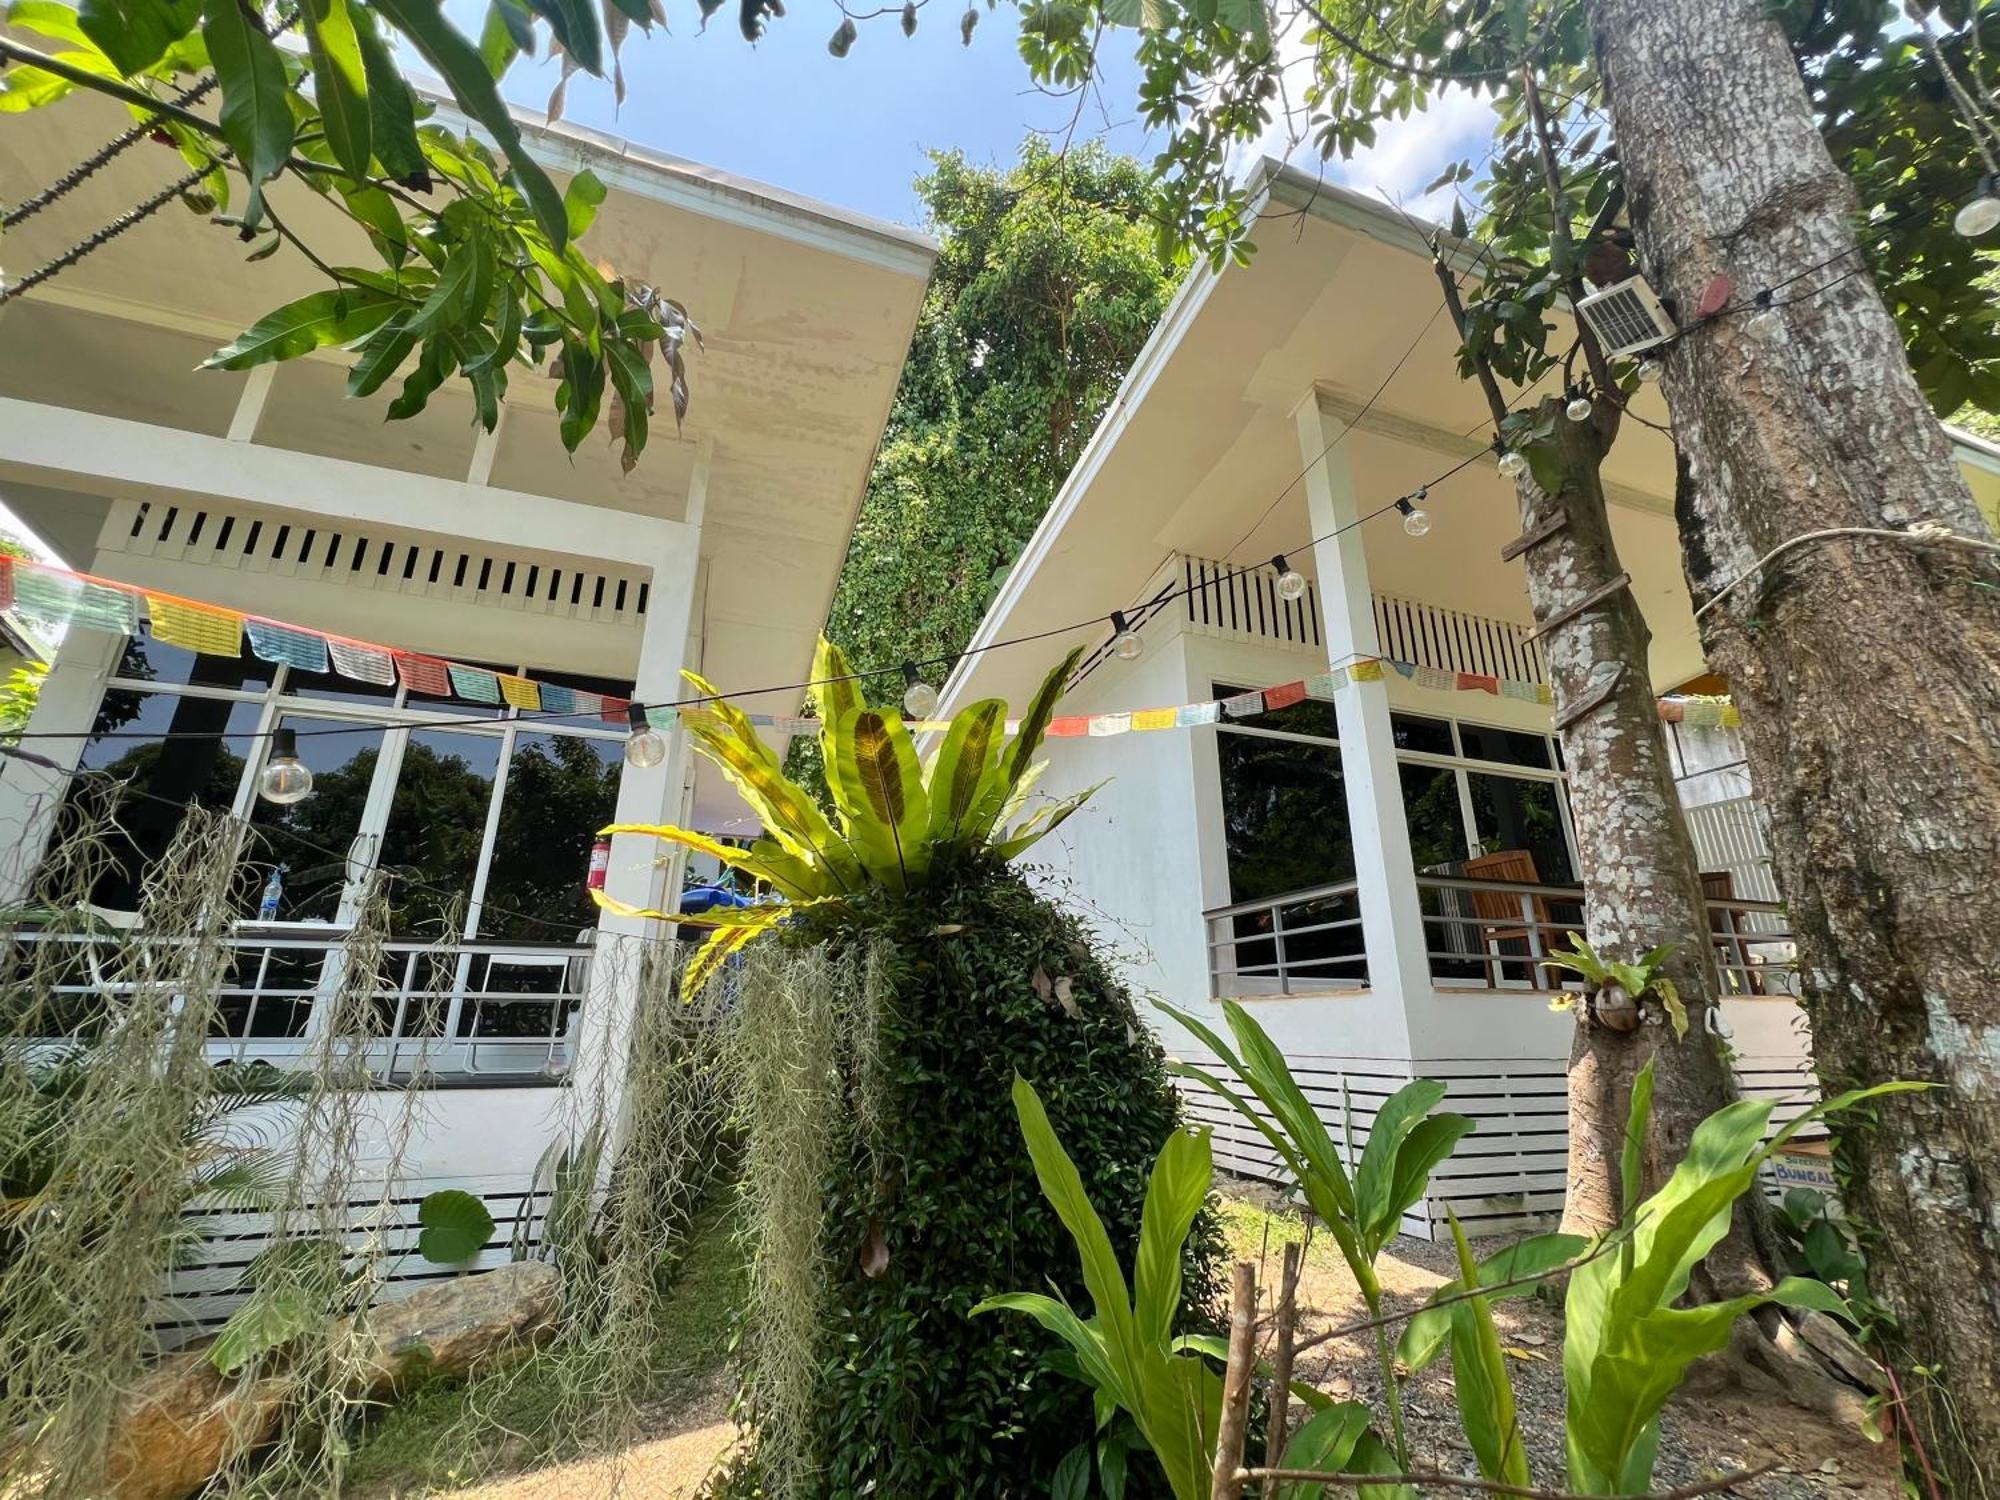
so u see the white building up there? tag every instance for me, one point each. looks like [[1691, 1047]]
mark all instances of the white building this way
[[1375, 872], [269, 492]]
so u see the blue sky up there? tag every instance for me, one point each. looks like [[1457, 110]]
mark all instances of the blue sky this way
[[854, 131]]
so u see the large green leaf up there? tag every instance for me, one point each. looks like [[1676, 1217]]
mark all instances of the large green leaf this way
[[1479, 1376], [879, 789], [963, 759], [1179, 1186], [458, 62], [581, 200], [1003, 787], [456, 1227], [313, 322], [1046, 821], [340, 83], [256, 114], [392, 114], [1375, 1176], [1324, 1444], [133, 34]]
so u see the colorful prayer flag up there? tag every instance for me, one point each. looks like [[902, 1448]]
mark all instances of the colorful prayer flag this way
[[520, 692], [557, 700], [1155, 718], [1102, 725], [1368, 670], [1544, 694], [1284, 695], [1068, 727], [474, 684], [1193, 714], [1325, 684], [1522, 691], [1244, 705], [363, 663], [1402, 668], [667, 720], [6, 582], [423, 674], [55, 595], [1478, 682], [286, 646], [205, 628], [1436, 679]]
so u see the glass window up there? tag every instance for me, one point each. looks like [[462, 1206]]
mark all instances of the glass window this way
[[188, 751], [1510, 747], [1284, 811], [146, 659], [1415, 732], [560, 790], [314, 839], [1437, 822], [1512, 813], [437, 824], [1312, 716]]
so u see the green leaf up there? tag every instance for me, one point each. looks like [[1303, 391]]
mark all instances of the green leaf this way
[[1072, 1477], [381, 357], [313, 322], [581, 200], [256, 115], [458, 62], [133, 34], [1546, 465], [1479, 1374], [574, 23], [456, 1227], [963, 759], [634, 384], [392, 116], [270, 1319], [1175, 1194], [1324, 1444], [1376, 1176], [340, 83], [879, 788]]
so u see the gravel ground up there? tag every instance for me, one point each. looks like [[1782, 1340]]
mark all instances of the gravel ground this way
[[1712, 1427]]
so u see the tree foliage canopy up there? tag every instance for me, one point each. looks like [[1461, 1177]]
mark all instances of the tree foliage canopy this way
[[1046, 286]]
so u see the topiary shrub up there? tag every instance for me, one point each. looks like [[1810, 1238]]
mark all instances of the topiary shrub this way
[[942, 1209], [954, 976]]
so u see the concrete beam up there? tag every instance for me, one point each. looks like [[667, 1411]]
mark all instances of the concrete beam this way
[[137, 460]]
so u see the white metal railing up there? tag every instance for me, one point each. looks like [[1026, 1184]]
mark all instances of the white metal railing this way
[[1478, 934], [460, 1009], [1301, 941]]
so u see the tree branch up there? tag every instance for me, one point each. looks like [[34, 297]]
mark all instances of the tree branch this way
[[1495, 401], [1563, 247]]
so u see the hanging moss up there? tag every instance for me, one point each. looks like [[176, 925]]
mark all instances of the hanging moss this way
[[936, 1205]]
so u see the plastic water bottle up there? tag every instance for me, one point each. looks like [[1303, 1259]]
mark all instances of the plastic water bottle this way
[[274, 890]]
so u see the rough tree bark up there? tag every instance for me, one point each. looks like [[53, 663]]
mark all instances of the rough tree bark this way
[[1867, 670]]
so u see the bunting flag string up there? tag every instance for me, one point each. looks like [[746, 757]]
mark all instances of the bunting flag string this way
[[62, 597]]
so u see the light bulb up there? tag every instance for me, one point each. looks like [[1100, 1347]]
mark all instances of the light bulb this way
[[285, 778], [1416, 520], [1512, 465], [920, 699], [1980, 213], [645, 747], [1125, 642], [1579, 408], [1766, 323], [1650, 370], [1291, 582]]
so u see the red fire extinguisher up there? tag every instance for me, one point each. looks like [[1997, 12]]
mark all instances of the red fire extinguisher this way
[[600, 862]]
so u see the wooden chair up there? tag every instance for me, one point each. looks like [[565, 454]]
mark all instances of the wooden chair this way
[[1511, 916]]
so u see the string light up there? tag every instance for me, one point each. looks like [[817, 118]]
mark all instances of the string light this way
[[920, 699], [1416, 520], [1650, 370], [645, 746], [1125, 642], [1579, 407], [285, 778], [1512, 465], [1291, 582], [1980, 213]]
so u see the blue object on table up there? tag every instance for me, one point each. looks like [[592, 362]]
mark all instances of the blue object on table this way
[[702, 898]]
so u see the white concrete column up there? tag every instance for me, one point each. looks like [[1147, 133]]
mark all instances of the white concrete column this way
[[1391, 917], [642, 871], [30, 793]]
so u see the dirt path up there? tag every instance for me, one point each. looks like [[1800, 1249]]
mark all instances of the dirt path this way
[[1704, 1431]]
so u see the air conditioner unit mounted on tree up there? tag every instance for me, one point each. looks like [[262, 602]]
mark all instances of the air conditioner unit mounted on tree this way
[[1627, 318]]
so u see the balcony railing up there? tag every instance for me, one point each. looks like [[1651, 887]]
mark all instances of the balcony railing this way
[[1300, 942], [461, 1009], [1478, 934]]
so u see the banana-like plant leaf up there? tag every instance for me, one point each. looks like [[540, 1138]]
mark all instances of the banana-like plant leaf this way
[[790, 876], [879, 788], [966, 753], [1375, 1177], [1479, 1374], [1324, 1444], [1511, 1272]]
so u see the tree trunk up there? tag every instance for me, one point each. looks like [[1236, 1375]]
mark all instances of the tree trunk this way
[[1867, 669], [1641, 882]]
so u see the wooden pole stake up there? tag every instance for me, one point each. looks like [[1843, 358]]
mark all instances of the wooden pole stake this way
[[1227, 1483], [1281, 1358]]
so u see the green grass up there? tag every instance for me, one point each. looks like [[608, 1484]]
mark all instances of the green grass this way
[[451, 1433]]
